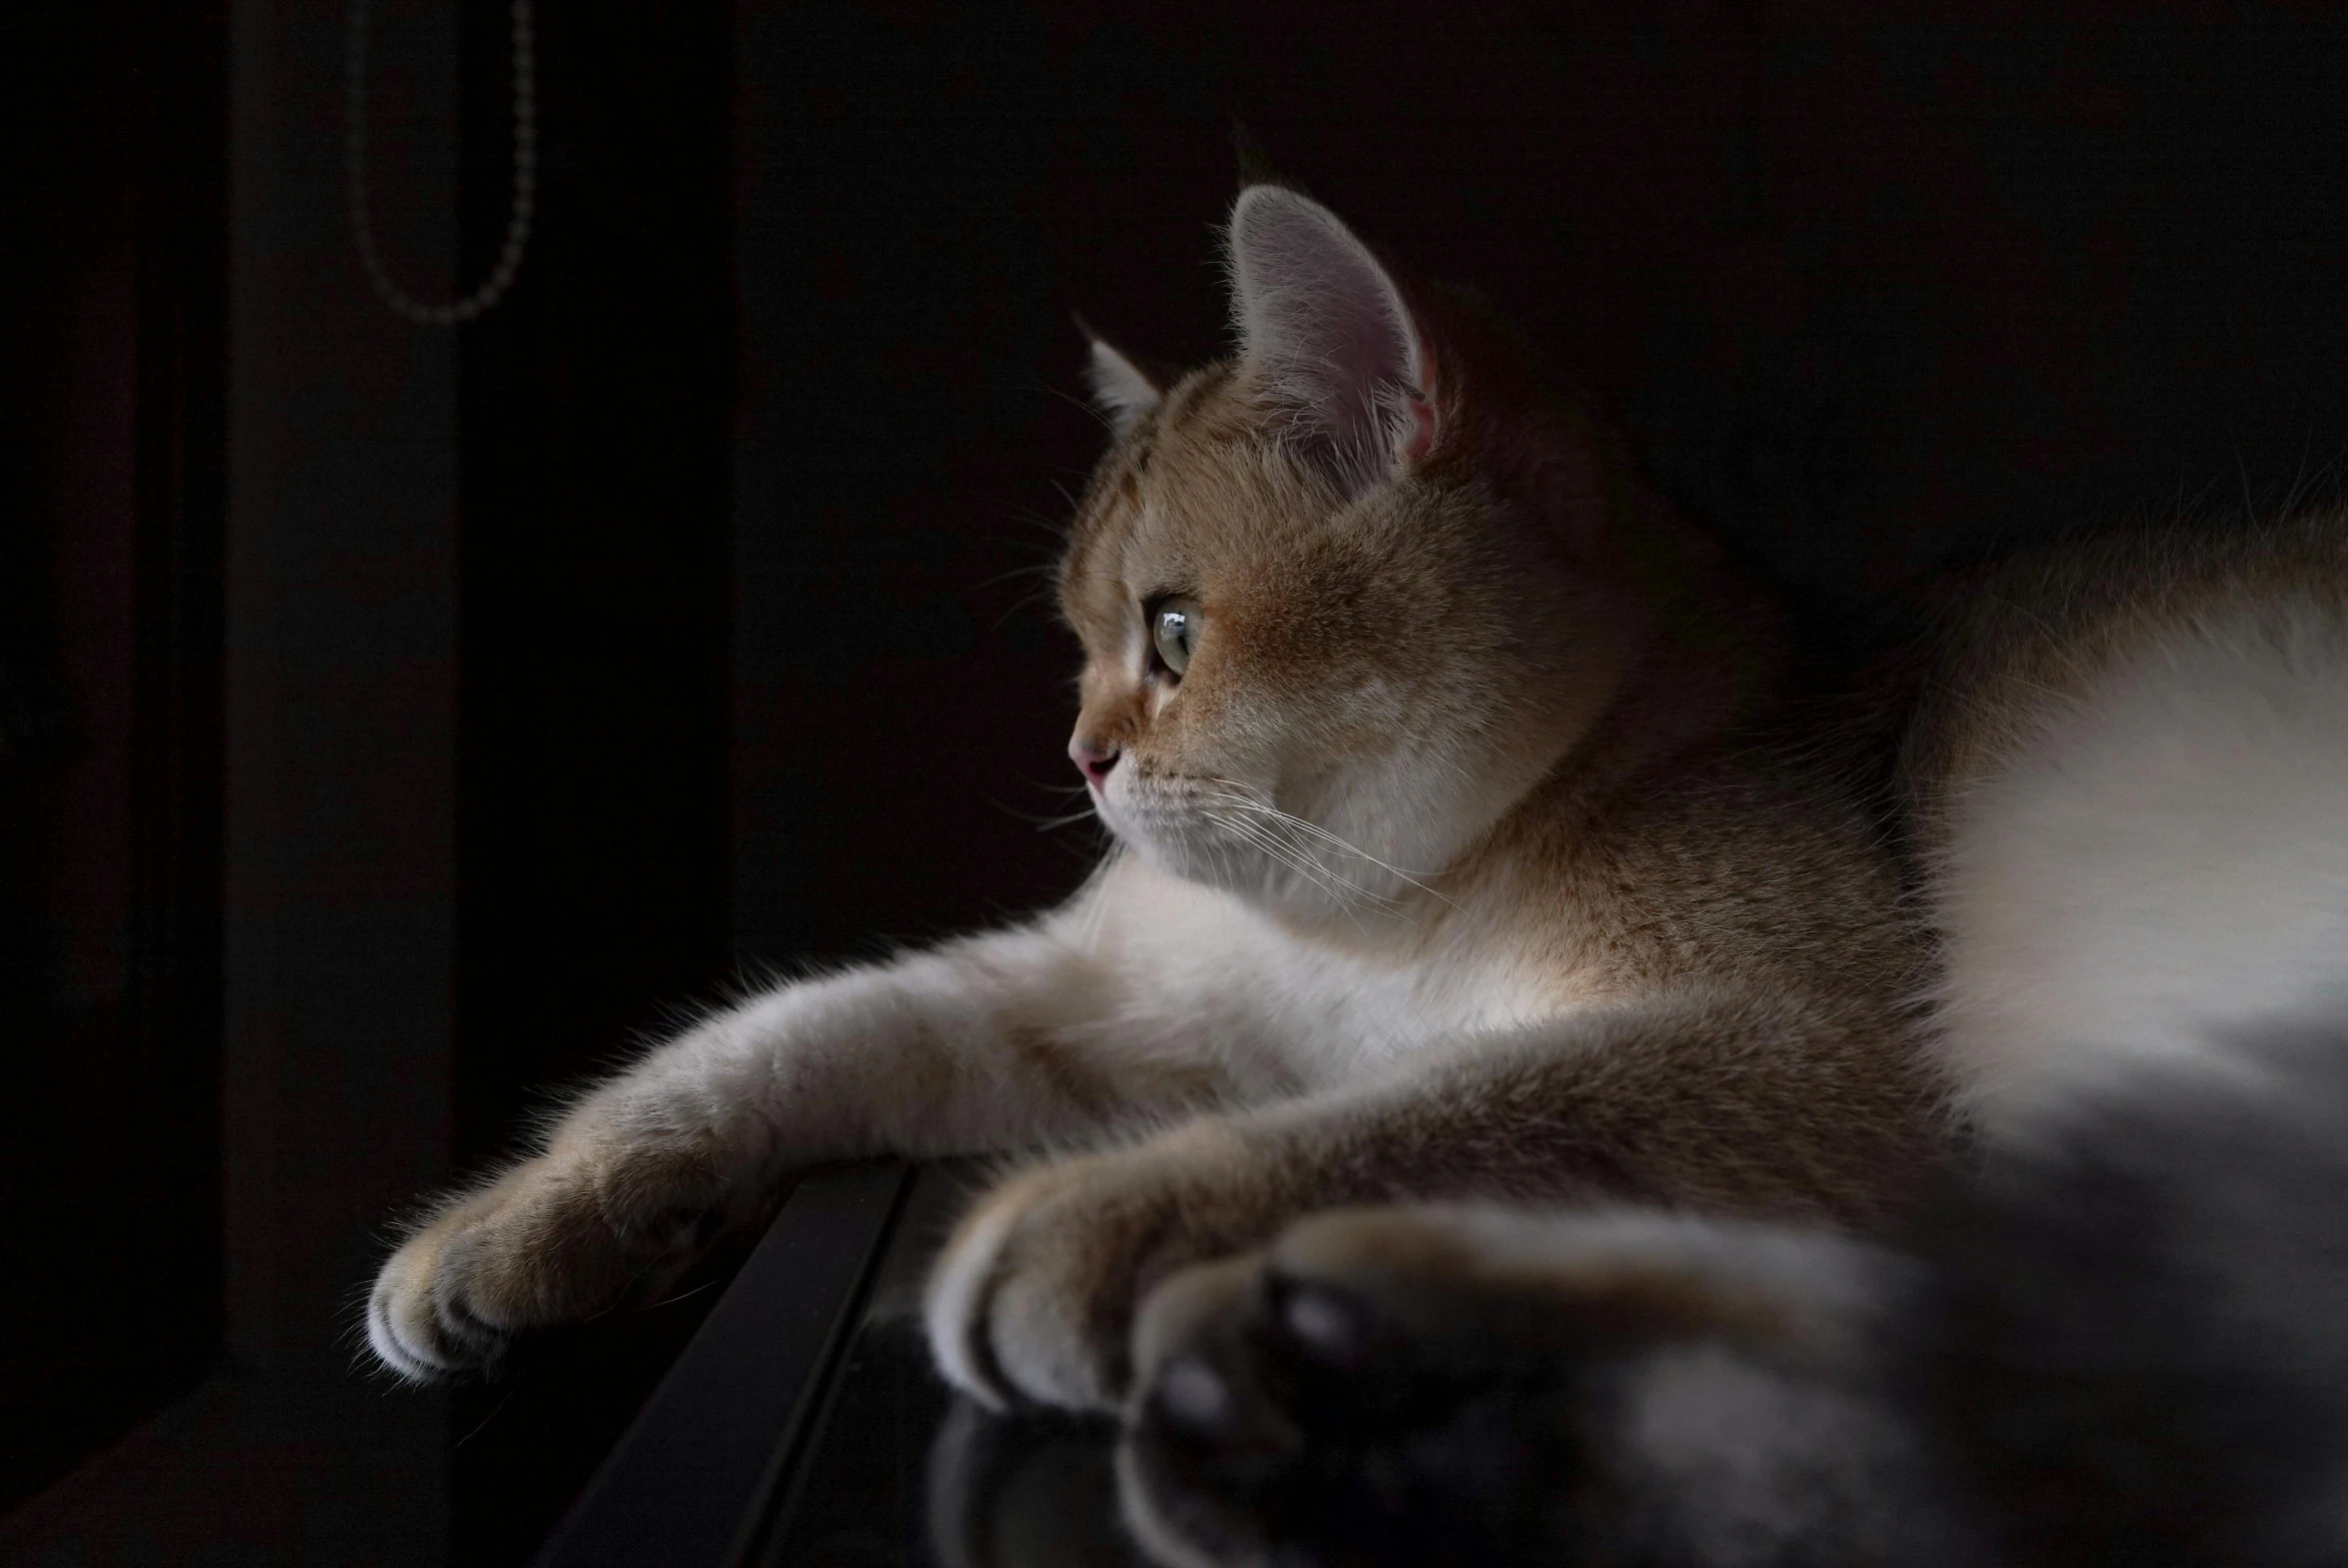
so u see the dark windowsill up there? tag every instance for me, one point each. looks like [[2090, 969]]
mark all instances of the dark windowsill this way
[[707, 1473], [804, 1427]]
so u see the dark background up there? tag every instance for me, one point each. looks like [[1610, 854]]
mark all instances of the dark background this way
[[395, 722]]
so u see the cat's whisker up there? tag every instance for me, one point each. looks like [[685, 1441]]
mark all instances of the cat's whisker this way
[[1301, 856], [1240, 794], [1347, 893], [1237, 795], [1045, 825], [1299, 825], [1284, 855], [1227, 877]]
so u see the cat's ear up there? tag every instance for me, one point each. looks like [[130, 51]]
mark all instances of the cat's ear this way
[[1122, 390], [1325, 330]]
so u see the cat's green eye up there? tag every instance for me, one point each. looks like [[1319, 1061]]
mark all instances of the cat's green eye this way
[[1173, 630]]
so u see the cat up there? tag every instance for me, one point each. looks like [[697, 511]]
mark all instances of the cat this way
[[1473, 844]]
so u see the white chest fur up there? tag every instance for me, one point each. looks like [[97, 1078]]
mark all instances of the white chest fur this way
[[1201, 966]]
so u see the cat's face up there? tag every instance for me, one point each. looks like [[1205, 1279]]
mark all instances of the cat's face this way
[[1323, 656]]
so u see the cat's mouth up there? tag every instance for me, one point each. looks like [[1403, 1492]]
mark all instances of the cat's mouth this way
[[1151, 811]]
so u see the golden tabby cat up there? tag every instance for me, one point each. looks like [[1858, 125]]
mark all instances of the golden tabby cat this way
[[1466, 849]]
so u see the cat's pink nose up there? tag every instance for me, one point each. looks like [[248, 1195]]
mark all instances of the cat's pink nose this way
[[1095, 760]]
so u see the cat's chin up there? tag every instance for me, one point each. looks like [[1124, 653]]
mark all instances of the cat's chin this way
[[1188, 859], [1304, 901], [1199, 859]]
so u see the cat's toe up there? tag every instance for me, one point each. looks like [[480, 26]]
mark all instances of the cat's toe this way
[[1027, 1304], [1255, 1423], [423, 1319], [1033, 1300], [553, 1240]]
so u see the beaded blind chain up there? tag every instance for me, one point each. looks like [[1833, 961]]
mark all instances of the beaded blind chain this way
[[509, 262]]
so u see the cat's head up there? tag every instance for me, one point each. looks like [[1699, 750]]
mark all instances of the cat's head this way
[[1345, 597]]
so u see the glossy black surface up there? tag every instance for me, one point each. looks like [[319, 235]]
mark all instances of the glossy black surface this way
[[696, 1479], [912, 1476], [906, 1474]]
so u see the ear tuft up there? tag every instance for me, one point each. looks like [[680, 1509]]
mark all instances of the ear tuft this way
[[1327, 331], [1255, 166], [1121, 390]]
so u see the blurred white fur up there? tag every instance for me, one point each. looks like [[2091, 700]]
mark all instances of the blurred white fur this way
[[2162, 866]]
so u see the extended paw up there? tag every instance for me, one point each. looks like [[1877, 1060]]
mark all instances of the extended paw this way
[[1032, 1299], [553, 1240], [1448, 1386]]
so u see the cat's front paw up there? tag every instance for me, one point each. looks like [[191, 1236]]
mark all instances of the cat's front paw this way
[[553, 1240], [1032, 1299], [1433, 1385]]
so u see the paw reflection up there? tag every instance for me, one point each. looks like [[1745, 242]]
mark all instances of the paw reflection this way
[[1025, 1492]]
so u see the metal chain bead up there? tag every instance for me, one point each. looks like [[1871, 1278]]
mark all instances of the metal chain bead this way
[[509, 262]]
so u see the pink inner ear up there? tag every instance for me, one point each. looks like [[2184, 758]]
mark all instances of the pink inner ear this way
[[1421, 438]]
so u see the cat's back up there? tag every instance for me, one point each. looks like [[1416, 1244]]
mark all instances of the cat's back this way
[[2011, 647], [2127, 771]]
